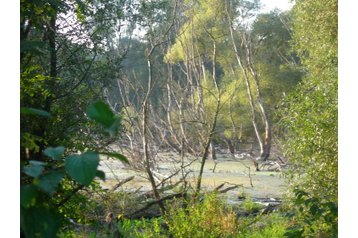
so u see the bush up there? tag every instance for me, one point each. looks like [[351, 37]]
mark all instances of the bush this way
[[251, 206], [313, 217], [209, 218]]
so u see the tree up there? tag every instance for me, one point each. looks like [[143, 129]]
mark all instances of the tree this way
[[247, 9], [311, 111], [310, 114], [60, 77]]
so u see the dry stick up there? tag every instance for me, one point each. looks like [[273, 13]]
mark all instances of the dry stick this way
[[168, 187], [176, 172], [217, 189], [280, 159], [220, 186], [248, 167], [156, 202], [215, 163], [121, 183], [230, 188]]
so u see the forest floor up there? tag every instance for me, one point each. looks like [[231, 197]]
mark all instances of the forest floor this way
[[266, 184]]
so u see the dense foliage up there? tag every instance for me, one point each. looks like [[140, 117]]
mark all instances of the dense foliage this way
[[209, 218], [199, 75], [310, 116]]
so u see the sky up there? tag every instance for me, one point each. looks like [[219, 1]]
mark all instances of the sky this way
[[269, 5]]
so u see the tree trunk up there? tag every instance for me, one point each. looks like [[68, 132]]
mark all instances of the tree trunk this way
[[265, 150], [265, 144], [249, 93], [213, 125], [144, 136]]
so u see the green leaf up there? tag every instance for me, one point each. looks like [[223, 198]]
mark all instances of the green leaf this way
[[54, 153], [34, 111], [35, 47], [314, 209], [49, 182], [101, 113], [27, 194], [82, 168], [114, 127], [332, 208], [116, 156], [34, 169], [100, 174], [294, 232], [40, 222]]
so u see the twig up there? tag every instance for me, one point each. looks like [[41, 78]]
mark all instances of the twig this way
[[121, 183], [69, 196], [171, 196], [217, 189]]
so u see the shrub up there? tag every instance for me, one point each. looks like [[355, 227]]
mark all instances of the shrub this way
[[251, 206], [209, 218], [313, 217]]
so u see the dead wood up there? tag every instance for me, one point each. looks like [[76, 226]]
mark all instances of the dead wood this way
[[121, 183], [217, 189], [138, 213]]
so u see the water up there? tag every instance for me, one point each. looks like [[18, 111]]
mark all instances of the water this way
[[266, 184]]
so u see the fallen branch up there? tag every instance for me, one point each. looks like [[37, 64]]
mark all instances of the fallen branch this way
[[121, 183], [229, 188], [171, 196], [217, 189]]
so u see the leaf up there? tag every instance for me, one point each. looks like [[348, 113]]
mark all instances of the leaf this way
[[34, 111], [114, 127], [294, 232], [27, 194], [82, 168], [116, 155], [40, 222], [314, 209], [332, 208], [100, 174], [49, 182], [54, 153], [101, 113], [34, 169], [34, 47]]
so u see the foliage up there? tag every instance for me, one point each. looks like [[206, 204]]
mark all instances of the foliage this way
[[314, 217], [309, 121], [272, 225], [309, 116], [67, 66], [208, 218], [42, 183], [250, 206]]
